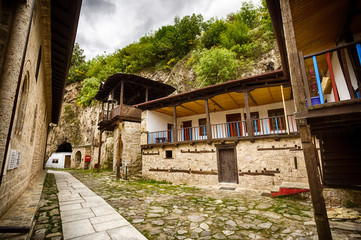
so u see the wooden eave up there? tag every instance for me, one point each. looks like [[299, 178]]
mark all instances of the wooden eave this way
[[232, 88], [134, 88], [64, 23]]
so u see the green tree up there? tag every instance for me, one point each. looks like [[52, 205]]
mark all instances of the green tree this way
[[88, 91], [215, 65], [78, 66]]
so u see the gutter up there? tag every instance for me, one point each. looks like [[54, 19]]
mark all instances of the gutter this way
[[16, 98]]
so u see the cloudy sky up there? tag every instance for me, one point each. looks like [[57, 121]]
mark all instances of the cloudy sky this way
[[106, 25]]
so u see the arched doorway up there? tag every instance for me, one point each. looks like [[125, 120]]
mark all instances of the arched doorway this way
[[77, 158], [64, 147]]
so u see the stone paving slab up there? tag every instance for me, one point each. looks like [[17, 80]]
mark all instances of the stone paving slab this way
[[85, 215], [22, 213]]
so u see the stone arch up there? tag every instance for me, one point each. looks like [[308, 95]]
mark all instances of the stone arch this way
[[64, 147], [78, 156]]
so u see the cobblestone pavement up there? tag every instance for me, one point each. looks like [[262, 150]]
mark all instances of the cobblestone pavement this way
[[161, 210], [48, 222]]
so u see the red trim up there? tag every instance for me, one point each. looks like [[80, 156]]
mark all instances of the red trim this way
[[288, 191]]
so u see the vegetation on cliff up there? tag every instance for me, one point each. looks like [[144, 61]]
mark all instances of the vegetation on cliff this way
[[217, 50]]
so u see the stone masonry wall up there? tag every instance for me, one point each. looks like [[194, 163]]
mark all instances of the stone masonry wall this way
[[30, 139], [131, 155], [248, 158]]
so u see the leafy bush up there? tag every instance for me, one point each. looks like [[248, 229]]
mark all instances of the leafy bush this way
[[215, 65], [88, 91]]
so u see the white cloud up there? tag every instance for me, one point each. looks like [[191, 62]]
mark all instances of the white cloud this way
[[106, 25]]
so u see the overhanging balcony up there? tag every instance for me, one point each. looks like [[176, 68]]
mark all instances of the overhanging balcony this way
[[109, 118], [262, 127]]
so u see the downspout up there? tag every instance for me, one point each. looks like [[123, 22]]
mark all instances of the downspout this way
[[17, 93]]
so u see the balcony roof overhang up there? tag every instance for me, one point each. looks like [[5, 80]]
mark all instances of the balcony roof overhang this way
[[134, 88], [263, 89]]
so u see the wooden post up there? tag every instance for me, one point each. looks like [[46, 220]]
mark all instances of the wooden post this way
[[99, 150], [208, 121], [175, 128], [121, 95], [334, 88], [108, 110], [120, 150], [318, 202], [285, 110], [248, 115], [146, 94], [304, 77]]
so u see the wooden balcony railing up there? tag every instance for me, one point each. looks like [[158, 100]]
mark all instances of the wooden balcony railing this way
[[128, 112], [312, 75], [261, 127]]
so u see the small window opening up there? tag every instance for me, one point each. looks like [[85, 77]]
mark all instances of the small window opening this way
[[168, 154]]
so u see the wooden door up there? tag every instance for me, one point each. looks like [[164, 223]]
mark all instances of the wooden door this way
[[187, 130], [227, 165], [67, 161], [234, 120]]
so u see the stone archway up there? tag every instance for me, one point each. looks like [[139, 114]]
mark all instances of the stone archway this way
[[77, 158], [64, 147]]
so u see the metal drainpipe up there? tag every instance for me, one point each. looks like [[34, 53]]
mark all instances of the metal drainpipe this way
[[17, 93]]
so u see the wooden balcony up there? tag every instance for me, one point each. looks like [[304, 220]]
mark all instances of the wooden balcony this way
[[109, 118], [261, 128], [333, 100]]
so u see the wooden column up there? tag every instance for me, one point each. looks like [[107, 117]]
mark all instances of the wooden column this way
[[175, 127], [320, 213], [121, 101], [208, 121], [99, 150], [285, 110], [248, 115], [146, 94], [120, 150]]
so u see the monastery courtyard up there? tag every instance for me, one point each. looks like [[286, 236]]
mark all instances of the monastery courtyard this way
[[160, 210]]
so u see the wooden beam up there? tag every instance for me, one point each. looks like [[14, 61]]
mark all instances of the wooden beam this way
[[270, 93], [252, 98], [121, 101], [146, 94], [99, 150], [175, 127], [304, 78], [234, 100], [198, 104], [318, 202], [189, 109], [217, 104], [285, 110], [248, 115], [208, 121]]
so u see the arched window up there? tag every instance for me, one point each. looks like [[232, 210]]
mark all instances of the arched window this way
[[22, 105]]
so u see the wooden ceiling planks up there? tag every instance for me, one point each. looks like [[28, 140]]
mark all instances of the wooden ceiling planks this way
[[310, 38], [229, 101]]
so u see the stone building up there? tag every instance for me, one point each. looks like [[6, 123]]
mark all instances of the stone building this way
[[35, 49], [241, 131], [118, 95]]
